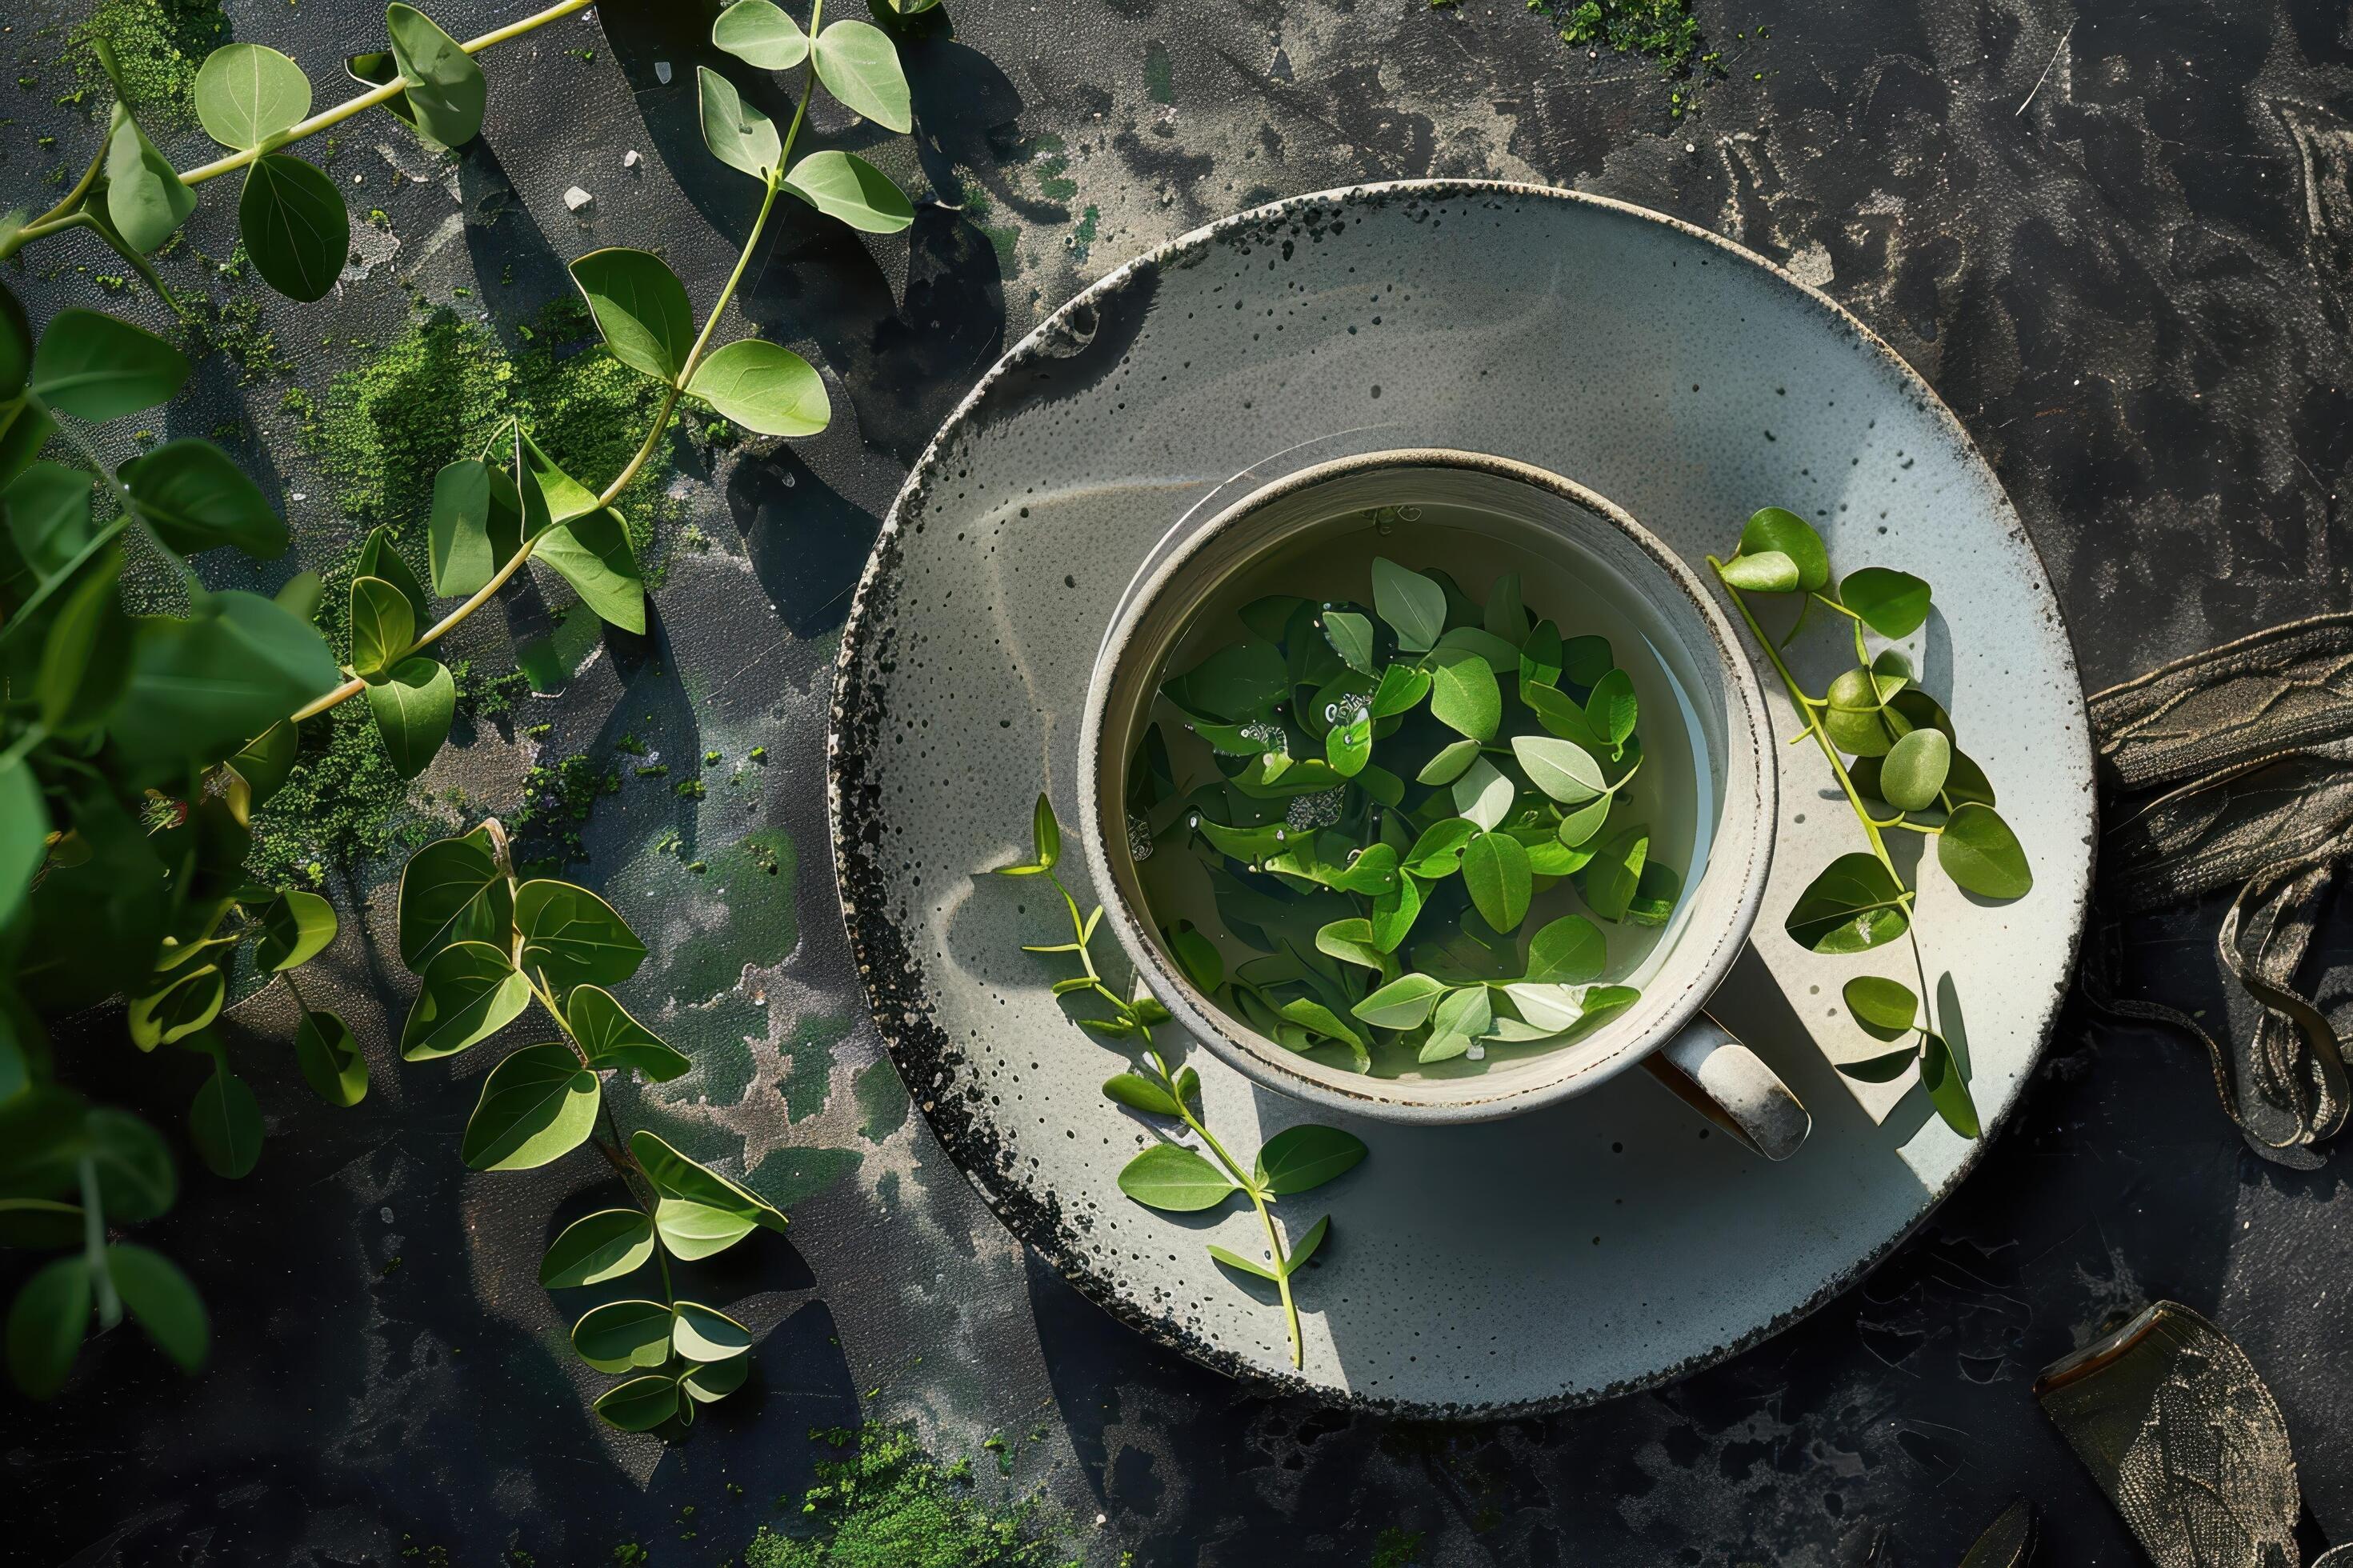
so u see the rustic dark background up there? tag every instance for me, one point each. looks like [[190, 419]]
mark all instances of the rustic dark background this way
[[2114, 237]]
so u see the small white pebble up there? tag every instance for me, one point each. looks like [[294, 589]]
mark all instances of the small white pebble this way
[[1477, 1053], [630, 160], [661, 73], [576, 198], [1691, 146], [356, 179], [385, 1214], [299, 496]]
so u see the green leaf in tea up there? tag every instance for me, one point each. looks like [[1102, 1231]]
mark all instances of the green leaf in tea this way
[[1483, 795], [1982, 855], [851, 189], [248, 96], [1351, 942], [1413, 606], [537, 1105], [1773, 530], [1460, 1020], [1569, 951], [1893, 603], [1175, 1179], [1854, 905], [598, 1247], [1465, 698], [1449, 762], [764, 388], [761, 35], [1562, 769], [1351, 637], [1300, 1159], [1402, 1004], [1348, 747], [1394, 913], [1612, 878], [294, 226], [1611, 711], [641, 308], [1495, 872], [1401, 689]]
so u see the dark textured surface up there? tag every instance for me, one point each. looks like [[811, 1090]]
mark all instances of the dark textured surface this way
[[2133, 294]]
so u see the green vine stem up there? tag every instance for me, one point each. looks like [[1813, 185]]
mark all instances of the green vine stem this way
[[62, 216], [1138, 1020]]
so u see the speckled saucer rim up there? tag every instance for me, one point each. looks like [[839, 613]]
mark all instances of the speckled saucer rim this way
[[896, 993]]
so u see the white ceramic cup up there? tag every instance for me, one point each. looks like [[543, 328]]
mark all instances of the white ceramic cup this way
[[1599, 551]]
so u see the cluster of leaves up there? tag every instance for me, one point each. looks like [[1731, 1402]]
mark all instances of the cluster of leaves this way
[[1325, 862], [134, 747], [1172, 1175], [485, 945], [1893, 751]]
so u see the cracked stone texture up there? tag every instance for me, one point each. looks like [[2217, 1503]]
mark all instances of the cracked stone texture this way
[[2117, 239]]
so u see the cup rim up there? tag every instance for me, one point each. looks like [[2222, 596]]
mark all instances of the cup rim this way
[[1270, 1065]]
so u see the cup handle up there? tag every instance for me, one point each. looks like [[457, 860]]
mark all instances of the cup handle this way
[[1709, 1069]]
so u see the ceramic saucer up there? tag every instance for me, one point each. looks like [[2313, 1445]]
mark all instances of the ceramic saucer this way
[[1598, 1245]]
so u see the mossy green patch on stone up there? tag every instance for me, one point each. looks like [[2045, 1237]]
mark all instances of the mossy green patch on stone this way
[[788, 1176], [812, 1050], [885, 1503], [1159, 73], [159, 46], [760, 927], [882, 1101]]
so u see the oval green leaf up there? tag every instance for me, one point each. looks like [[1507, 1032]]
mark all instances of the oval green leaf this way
[[1483, 795], [596, 1248], [294, 226], [1887, 1009], [1402, 1004], [1852, 906], [639, 1404], [246, 94], [1139, 1094], [639, 305], [1979, 853], [1351, 637], [1611, 711], [1769, 572], [1613, 877], [194, 497], [1893, 603], [45, 1324], [765, 388], [96, 368], [1915, 770], [329, 1055], [1465, 698], [859, 66], [145, 198], [460, 550], [1413, 606], [593, 553], [1495, 873], [612, 1038], [163, 1304], [761, 36], [452, 890], [1300, 1158], [714, 1380], [620, 1335], [571, 937], [444, 87], [1175, 1179], [738, 135], [384, 624], [1570, 951], [295, 928], [413, 706], [706, 1335], [1562, 769], [225, 1124], [851, 189], [537, 1105], [1776, 531], [1948, 1092], [467, 992]]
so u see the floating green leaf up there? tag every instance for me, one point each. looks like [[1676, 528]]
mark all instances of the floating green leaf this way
[[1569, 951], [1465, 698], [1483, 795], [1611, 711], [1612, 878], [1402, 1004], [1562, 769], [1351, 637], [1401, 689], [1413, 606], [1495, 872], [1173, 1178]]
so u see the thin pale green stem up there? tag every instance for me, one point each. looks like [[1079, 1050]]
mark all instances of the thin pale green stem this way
[[93, 1241], [1259, 1200]]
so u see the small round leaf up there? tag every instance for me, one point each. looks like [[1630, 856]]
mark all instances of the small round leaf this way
[[620, 1335], [859, 66], [1175, 1179], [761, 35], [640, 306], [1887, 1009], [1495, 872], [247, 93], [1768, 573], [1893, 603], [1915, 770], [1299, 1158], [383, 626], [96, 368], [764, 388], [705, 1334], [738, 135], [1979, 852], [851, 189], [1787, 534], [294, 226]]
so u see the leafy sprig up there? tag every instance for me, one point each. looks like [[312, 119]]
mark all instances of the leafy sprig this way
[[1885, 741], [1325, 862], [1171, 1175]]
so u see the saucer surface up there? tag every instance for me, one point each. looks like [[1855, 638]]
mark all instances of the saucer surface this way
[[1594, 1247]]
